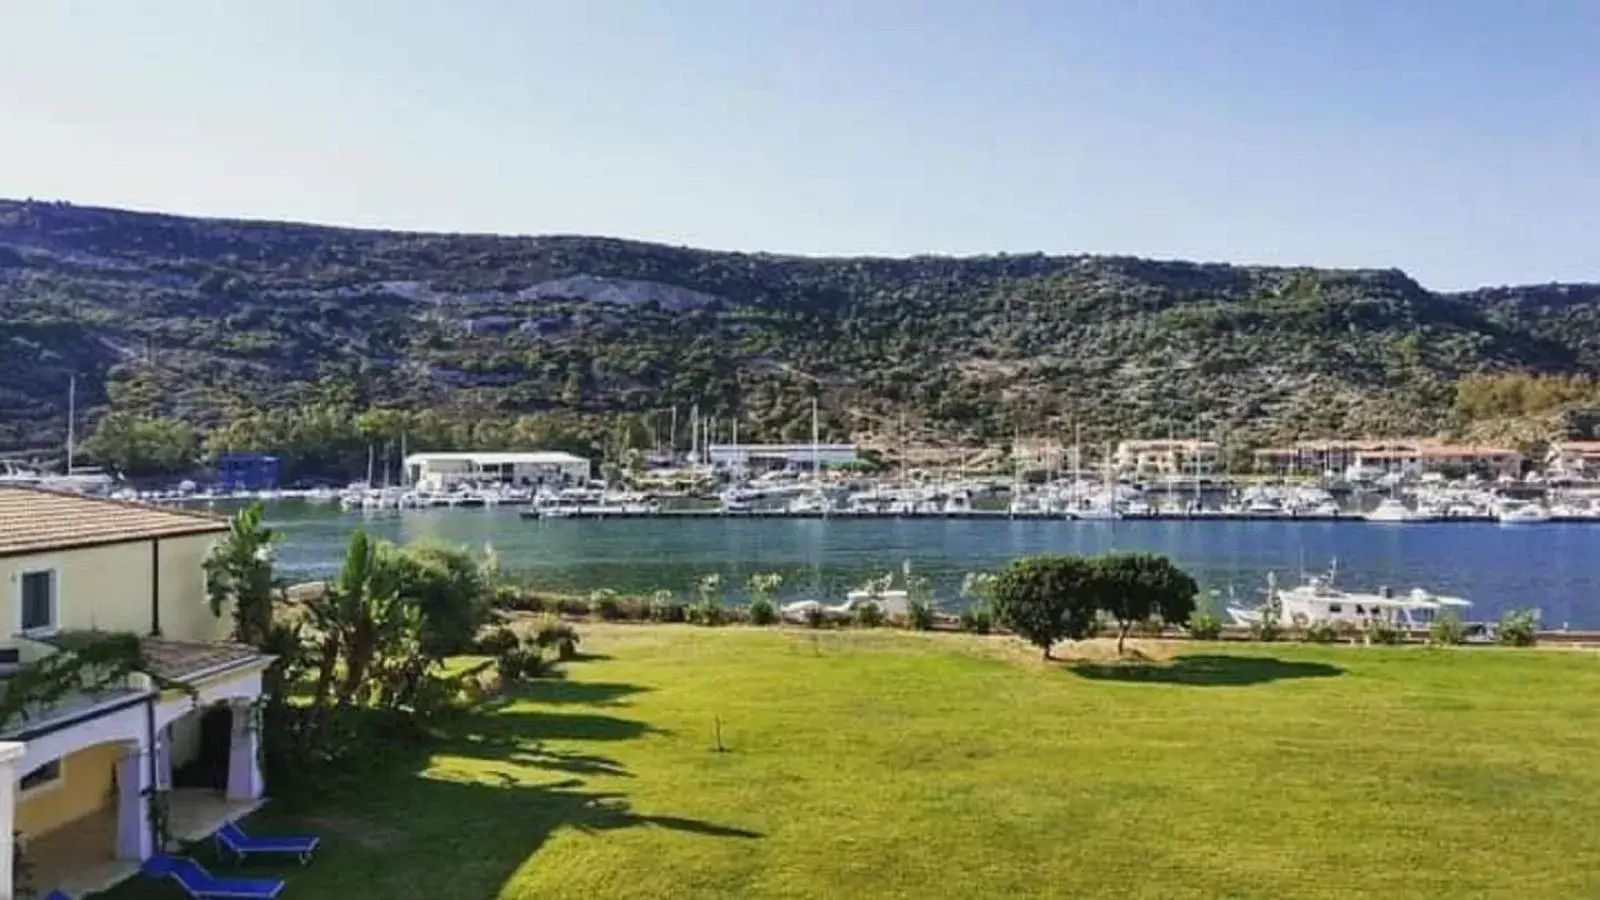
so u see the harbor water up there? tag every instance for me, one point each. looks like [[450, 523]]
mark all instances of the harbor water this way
[[1551, 567]]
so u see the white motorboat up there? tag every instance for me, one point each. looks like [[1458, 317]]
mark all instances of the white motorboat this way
[[13, 473], [1394, 512], [809, 504], [1327, 509], [1263, 506], [1524, 514], [958, 502], [1318, 601], [893, 601]]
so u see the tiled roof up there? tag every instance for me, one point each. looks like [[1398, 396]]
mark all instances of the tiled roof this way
[[33, 520], [181, 660]]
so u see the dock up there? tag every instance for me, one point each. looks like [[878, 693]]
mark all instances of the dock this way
[[1004, 515]]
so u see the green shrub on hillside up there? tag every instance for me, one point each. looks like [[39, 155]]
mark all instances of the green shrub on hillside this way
[[1204, 624], [1382, 631], [867, 615], [1519, 628], [666, 607], [554, 634], [1319, 632], [1447, 629], [604, 605]]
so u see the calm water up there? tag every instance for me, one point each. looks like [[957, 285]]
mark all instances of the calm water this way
[[1553, 567]]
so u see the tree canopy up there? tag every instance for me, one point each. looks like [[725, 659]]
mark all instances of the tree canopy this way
[[1046, 599]]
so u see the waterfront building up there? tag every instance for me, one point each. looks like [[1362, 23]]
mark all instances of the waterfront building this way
[[247, 472], [1316, 457], [773, 457], [1428, 457], [1573, 459], [1043, 455], [1416, 456], [1182, 456], [448, 471], [78, 772]]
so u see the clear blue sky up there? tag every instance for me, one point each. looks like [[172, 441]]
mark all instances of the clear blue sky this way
[[1456, 139]]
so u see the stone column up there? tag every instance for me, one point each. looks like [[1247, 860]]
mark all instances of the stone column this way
[[244, 756], [10, 754], [134, 838], [163, 751]]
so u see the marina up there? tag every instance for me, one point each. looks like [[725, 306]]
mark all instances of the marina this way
[[1551, 567]]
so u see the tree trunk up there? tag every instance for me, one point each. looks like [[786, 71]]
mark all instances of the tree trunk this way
[[1047, 651], [1122, 635]]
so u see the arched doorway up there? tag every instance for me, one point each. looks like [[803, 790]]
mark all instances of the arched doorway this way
[[201, 743]]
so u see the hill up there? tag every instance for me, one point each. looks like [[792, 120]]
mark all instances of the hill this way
[[183, 330]]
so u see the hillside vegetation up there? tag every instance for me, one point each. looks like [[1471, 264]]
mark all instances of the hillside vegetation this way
[[196, 333]]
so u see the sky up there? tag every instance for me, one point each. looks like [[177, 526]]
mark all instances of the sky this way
[[1459, 141]]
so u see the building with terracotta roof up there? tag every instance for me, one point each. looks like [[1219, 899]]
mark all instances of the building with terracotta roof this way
[[1168, 457], [1396, 455], [1573, 459], [77, 772]]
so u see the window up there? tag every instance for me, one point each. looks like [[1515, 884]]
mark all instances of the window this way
[[38, 600], [1335, 607], [49, 773]]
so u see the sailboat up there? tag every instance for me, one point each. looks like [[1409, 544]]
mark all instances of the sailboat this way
[[83, 480], [815, 500]]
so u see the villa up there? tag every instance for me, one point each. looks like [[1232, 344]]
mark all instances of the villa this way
[[76, 773]]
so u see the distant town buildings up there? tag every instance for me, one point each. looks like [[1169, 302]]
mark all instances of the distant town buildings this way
[[1395, 455], [447, 471], [771, 457], [1169, 457], [1573, 459]]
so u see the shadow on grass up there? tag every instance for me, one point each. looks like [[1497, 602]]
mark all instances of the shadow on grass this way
[[431, 837], [564, 691], [1206, 670], [581, 656], [427, 826]]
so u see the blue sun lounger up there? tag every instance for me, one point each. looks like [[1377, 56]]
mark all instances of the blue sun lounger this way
[[232, 839], [202, 885], [57, 895]]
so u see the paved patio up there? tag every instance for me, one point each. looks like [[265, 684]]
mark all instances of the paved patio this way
[[78, 857]]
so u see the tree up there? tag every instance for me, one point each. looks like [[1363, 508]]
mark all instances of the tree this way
[[1045, 599], [763, 586], [143, 445], [453, 592], [1134, 587], [239, 571]]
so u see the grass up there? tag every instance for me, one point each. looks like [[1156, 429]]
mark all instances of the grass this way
[[888, 764]]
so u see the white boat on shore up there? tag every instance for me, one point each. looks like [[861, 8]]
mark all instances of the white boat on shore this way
[[1318, 601]]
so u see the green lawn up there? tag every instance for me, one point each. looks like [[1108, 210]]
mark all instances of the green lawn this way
[[885, 764]]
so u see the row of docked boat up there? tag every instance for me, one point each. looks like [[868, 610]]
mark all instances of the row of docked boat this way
[[1431, 508]]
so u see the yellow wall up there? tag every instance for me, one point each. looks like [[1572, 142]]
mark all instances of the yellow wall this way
[[108, 588], [185, 609], [85, 786]]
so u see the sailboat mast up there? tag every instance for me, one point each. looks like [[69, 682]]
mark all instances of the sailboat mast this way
[[72, 416], [1077, 459], [694, 435], [816, 468]]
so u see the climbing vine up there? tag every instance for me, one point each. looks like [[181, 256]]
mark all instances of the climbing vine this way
[[87, 663]]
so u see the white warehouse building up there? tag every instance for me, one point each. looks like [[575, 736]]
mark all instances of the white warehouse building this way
[[780, 456], [447, 471]]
